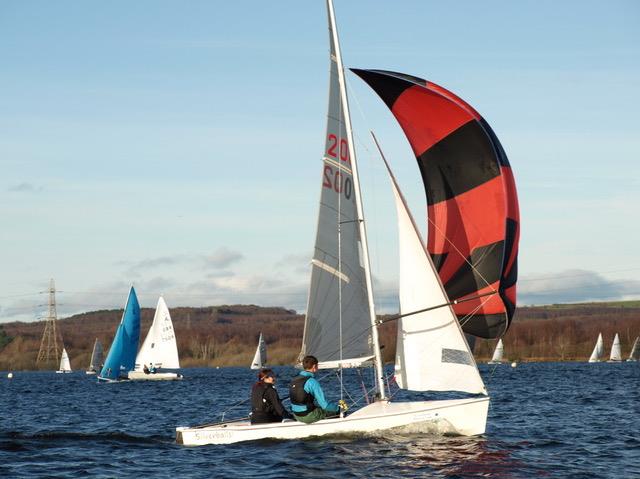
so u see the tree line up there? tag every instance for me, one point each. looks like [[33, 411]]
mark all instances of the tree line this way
[[228, 335]]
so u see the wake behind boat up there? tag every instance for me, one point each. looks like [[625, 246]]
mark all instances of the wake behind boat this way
[[340, 329]]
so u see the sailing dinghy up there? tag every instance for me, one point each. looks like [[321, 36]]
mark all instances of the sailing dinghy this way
[[122, 353], [96, 358], [616, 351], [635, 350], [598, 350], [260, 358], [498, 353], [159, 349], [340, 329], [65, 364]]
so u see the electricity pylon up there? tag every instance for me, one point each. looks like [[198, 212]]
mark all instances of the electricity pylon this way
[[49, 344]]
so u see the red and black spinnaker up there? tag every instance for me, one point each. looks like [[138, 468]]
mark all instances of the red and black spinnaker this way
[[472, 204]]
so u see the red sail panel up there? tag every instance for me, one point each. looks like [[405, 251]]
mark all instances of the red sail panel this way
[[472, 204]]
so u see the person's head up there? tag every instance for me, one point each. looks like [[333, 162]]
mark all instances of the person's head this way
[[266, 376], [310, 363]]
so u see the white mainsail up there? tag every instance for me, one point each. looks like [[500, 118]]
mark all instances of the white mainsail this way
[[159, 347], [634, 355], [598, 350], [338, 323], [616, 352], [498, 353], [65, 364], [260, 358], [432, 353]]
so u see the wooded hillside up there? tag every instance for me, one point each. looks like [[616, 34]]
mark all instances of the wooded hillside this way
[[228, 335]]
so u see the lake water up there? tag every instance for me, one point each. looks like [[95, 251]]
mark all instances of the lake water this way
[[564, 420]]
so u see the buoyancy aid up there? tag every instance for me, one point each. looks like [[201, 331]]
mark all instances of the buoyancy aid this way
[[299, 396], [258, 403]]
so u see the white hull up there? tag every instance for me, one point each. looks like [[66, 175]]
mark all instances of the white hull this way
[[594, 360], [465, 417], [62, 372], [142, 376], [90, 372], [495, 362]]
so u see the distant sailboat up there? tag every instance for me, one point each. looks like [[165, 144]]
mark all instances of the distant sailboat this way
[[65, 364], [616, 351], [598, 350], [96, 358], [159, 349], [260, 358], [122, 353], [498, 353], [635, 350]]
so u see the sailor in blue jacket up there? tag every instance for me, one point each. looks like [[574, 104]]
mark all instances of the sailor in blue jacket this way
[[308, 403]]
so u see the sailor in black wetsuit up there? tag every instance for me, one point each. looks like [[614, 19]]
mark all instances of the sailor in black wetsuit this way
[[265, 402]]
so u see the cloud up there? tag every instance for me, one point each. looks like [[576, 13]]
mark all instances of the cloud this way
[[24, 187], [574, 286], [221, 258], [151, 263]]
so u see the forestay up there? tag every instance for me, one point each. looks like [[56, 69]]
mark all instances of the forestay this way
[[159, 347], [431, 352], [338, 323]]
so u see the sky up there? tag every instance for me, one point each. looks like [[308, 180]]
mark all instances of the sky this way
[[177, 146]]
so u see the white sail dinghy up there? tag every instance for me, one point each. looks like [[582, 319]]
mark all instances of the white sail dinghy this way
[[340, 329], [159, 350], [65, 364], [598, 350], [260, 358]]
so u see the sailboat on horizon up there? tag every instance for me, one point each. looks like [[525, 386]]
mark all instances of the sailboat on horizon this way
[[616, 351], [598, 350], [498, 353], [634, 355], [96, 358], [65, 364], [340, 329], [159, 349], [260, 358]]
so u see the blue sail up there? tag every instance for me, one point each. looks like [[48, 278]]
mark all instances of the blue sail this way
[[122, 354]]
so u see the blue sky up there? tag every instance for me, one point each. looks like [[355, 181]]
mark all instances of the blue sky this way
[[177, 146]]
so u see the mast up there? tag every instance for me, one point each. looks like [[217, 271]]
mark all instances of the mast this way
[[356, 188]]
